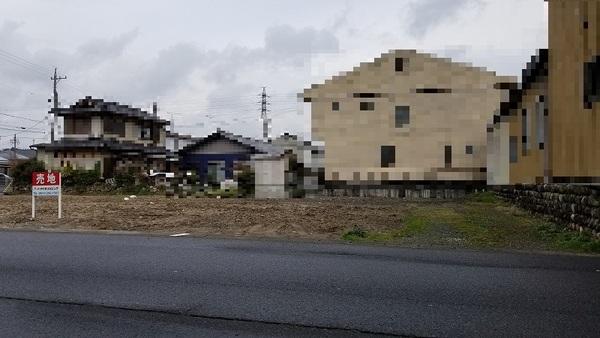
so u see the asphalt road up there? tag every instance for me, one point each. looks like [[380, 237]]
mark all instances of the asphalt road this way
[[67, 284]]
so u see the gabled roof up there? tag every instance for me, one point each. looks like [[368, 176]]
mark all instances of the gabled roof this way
[[180, 136], [19, 154], [535, 71], [256, 145], [402, 53], [90, 106]]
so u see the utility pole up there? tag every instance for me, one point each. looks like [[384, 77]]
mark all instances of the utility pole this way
[[14, 147], [55, 79], [263, 114]]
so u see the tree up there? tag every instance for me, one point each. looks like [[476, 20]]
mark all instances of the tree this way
[[22, 172]]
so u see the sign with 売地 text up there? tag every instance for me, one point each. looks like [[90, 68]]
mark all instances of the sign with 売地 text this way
[[45, 183]]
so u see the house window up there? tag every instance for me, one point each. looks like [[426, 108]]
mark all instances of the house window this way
[[513, 147], [56, 154], [366, 95], [371, 176], [399, 64], [448, 156], [114, 126], [434, 90], [367, 106], [591, 82], [388, 156], [469, 150], [402, 116], [335, 106], [356, 176], [335, 176], [524, 132], [146, 133], [540, 121]]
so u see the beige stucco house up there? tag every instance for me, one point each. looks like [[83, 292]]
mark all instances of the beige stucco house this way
[[406, 117], [107, 136]]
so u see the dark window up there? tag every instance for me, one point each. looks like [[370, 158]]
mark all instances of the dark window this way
[[402, 116], [513, 148], [399, 64], [524, 132], [335, 106], [146, 133], [469, 150], [388, 156], [433, 90], [77, 125], [367, 106], [448, 156], [585, 25], [591, 82], [115, 126], [56, 154], [367, 95]]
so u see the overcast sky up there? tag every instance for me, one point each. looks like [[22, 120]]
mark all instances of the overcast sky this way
[[205, 62]]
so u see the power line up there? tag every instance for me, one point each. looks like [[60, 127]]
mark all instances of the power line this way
[[19, 117]]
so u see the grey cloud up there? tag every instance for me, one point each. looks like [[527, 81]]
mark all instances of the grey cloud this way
[[287, 40], [427, 14], [103, 49], [169, 70]]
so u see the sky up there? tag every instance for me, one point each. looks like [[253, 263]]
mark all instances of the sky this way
[[205, 62]]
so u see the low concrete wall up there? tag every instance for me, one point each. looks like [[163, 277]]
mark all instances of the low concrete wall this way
[[577, 206]]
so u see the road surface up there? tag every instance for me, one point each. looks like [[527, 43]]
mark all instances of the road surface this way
[[67, 284]]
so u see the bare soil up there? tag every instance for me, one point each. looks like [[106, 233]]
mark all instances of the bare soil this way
[[476, 222], [300, 218]]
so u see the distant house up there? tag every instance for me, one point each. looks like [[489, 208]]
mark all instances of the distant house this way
[[108, 136], [213, 157], [406, 118], [11, 157], [518, 136], [4, 164], [174, 143]]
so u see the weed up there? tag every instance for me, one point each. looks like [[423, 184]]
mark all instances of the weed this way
[[355, 234]]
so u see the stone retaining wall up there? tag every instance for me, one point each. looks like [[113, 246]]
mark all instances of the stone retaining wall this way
[[577, 206], [393, 192]]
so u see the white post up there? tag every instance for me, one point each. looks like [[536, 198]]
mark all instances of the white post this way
[[60, 196], [32, 205]]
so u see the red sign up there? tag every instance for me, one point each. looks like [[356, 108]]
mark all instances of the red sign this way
[[45, 178]]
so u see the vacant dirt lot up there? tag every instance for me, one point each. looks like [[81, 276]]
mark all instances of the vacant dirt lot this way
[[479, 221], [318, 218]]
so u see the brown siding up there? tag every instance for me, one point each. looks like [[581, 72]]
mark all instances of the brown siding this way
[[575, 148]]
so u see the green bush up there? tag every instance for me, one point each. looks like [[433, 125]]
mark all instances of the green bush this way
[[21, 173], [80, 179], [245, 181], [123, 179], [354, 234]]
